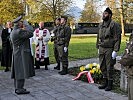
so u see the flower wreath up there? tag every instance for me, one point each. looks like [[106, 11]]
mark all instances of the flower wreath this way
[[92, 71]]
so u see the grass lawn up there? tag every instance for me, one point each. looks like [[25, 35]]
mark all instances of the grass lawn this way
[[82, 47]]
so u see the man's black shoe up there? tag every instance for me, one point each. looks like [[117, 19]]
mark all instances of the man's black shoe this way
[[37, 67], [109, 87], [63, 72], [57, 67], [7, 69], [104, 85], [46, 67], [21, 91]]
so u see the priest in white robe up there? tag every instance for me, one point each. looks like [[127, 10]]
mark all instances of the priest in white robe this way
[[41, 38]]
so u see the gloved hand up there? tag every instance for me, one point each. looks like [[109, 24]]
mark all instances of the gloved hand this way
[[52, 35], [114, 54], [27, 26], [65, 49], [46, 39], [25, 22]]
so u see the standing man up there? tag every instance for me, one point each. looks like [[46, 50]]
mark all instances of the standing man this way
[[54, 38], [108, 44], [22, 66], [41, 38], [6, 47], [127, 62], [63, 38]]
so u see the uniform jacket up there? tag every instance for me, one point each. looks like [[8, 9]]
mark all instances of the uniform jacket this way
[[55, 32], [129, 54], [22, 66], [109, 35], [63, 35]]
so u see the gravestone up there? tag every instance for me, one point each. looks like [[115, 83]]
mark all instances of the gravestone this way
[[123, 76]]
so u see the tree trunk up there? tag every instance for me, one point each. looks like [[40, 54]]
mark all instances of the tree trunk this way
[[122, 17]]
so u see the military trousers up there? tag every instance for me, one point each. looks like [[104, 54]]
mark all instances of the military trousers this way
[[19, 84], [56, 54], [63, 56], [106, 62], [130, 88]]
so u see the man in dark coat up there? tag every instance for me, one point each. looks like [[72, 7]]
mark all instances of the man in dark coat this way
[[6, 47], [22, 64], [108, 44], [63, 39]]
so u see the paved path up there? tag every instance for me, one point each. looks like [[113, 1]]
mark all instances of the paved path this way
[[49, 85]]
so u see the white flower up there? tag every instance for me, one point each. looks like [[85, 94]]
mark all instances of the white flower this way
[[94, 69], [94, 64], [87, 66], [98, 66]]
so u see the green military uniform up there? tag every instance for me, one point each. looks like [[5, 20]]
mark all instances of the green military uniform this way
[[130, 76], [108, 40], [56, 53], [129, 69], [63, 37]]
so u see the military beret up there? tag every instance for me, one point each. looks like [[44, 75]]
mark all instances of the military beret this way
[[108, 10], [17, 19], [65, 17], [58, 19]]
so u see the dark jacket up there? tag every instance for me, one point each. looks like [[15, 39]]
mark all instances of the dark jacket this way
[[109, 35], [6, 54], [63, 35]]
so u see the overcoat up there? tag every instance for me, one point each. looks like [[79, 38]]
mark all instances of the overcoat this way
[[22, 63]]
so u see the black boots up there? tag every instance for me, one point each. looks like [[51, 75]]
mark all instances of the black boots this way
[[64, 71], [104, 85], [7, 69], [37, 67], [21, 91], [110, 84], [107, 85], [46, 67], [57, 67]]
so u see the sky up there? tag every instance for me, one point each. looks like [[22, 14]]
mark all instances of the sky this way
[[79, 3]]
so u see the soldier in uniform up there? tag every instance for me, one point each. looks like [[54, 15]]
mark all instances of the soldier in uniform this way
[[54, 38], [129, 70], [22, 65], [108, 44], [127, 62], [63, 38]]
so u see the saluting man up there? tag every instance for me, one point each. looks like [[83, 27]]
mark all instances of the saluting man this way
[[22, 62], [108, 44]]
